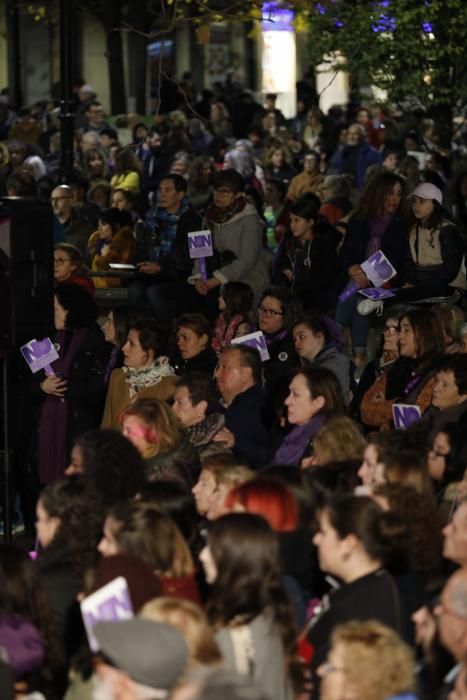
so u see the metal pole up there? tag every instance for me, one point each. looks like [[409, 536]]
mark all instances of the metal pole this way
[[14, 53], [66, 91], [6, 454]]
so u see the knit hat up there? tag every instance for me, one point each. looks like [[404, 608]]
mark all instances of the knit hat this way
[[151, 653]]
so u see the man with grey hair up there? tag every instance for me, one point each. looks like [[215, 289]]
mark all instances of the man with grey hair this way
[[357, 156]]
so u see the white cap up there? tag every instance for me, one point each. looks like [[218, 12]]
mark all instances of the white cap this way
[[428, 191]]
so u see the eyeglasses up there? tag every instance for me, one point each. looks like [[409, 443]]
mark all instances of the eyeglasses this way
[[223, 190], [270, 313]]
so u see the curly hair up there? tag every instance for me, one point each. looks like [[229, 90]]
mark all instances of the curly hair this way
[[402, 452], [191, 622], [372, 199], [113, 467], [339, 440], [378, 664], [79, 528], [419, 514], [249, 581], [290, 304], [144, 531]]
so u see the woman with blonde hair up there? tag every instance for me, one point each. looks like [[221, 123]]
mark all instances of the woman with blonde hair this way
[[190, 620], [141, 529], [340, 440], [367, 661], [154, 429]]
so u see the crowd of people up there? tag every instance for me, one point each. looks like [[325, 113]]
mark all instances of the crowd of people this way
[[290, 523]]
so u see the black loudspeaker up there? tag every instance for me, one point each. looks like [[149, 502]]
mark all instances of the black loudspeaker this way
[[26, 271]]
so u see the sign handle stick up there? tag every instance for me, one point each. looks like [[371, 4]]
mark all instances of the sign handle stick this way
[[203, 269]]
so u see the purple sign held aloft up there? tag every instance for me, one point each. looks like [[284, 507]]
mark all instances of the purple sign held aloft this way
[[405, 414], [200, 248], [39, 354], [110, 603], [255, 340], [378, 269]]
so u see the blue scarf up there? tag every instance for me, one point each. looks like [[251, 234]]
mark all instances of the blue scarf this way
[[163, 228]]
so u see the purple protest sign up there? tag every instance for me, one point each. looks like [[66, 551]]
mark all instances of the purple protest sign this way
[[200, 248], [110, 603], [39, 354], [378, 269], [404, 415], [376, 293], [255, 340]]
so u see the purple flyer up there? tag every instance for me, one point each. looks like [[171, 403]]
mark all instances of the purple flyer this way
[[378, 269], [404, 415]]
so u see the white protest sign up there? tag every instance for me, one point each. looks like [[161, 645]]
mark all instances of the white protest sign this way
[[110, 603], [255, 340]]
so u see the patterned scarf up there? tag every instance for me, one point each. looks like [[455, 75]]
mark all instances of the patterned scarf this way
[[163, 228], [148, 376], [214, 215]]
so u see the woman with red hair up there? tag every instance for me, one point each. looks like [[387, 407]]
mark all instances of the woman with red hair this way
[[268, 498]]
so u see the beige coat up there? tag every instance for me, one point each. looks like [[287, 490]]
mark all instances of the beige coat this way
[[118, 396]]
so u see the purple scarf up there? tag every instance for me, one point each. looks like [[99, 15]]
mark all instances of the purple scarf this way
[[378, 227], [53, 422], [295, 443]]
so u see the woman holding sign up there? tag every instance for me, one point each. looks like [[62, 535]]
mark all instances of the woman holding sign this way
[[375, 225], [410, 379], [237, 241], [73, 395]]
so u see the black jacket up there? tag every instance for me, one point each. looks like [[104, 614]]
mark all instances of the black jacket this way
[[353, 251], [244, 418], [205, 361]]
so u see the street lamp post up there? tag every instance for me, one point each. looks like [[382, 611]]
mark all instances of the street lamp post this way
[[66, 91]]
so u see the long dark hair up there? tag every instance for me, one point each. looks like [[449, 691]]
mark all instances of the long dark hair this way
[[249, 579], [372, 199], [238, 298], [428, 333]]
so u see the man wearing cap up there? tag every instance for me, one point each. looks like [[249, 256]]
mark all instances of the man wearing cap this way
[[142, 660], [434, 265]]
